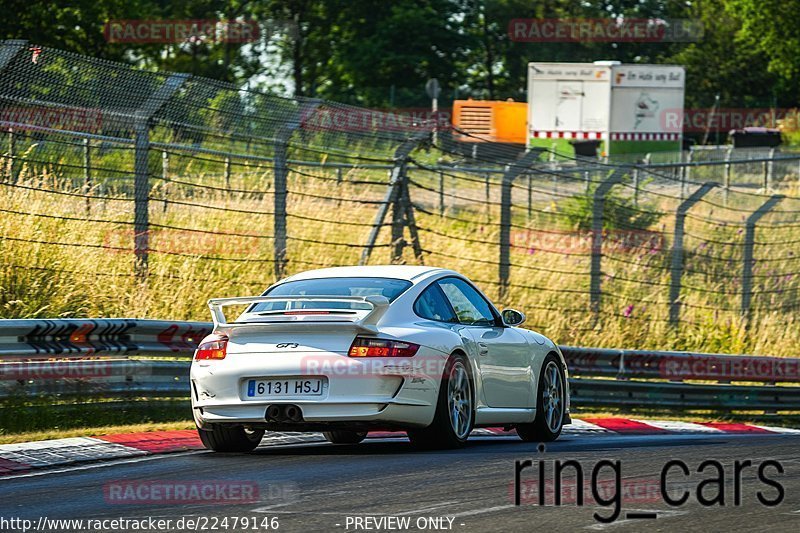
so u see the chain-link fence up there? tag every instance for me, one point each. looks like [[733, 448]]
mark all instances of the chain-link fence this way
[[126, 192]]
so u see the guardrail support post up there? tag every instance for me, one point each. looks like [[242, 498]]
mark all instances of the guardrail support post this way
[[598, 205], [749, 241], [677, 251], [397, 197], [507, 180], [141, 179]]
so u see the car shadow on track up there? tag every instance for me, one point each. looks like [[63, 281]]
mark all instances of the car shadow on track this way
[[485, 445]]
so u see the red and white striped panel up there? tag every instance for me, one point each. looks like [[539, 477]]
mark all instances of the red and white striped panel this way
[[568, 135], [635, 136]]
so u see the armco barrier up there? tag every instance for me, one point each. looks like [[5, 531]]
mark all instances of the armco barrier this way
[[87, 359]]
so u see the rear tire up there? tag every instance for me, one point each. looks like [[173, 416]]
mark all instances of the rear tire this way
[[345, 436], [455, 412], [230, 439], [550, 402]]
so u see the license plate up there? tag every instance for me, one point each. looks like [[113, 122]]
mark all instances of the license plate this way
[[268, 388]]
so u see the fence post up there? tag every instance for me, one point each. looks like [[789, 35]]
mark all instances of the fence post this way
[[141, 180], [487, 194], [530, 196], [677, 251], [397, 188], [598, 206], [227, 172], [12, 156], [441, 193], [507, 180], [769, 170], [141, 194], [87, 173], [165, 176], [728, 171], [749, 241], [281, 173], [685, 174]]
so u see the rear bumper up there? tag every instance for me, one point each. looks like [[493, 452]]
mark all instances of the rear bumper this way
[[389, 414], [374, 392]]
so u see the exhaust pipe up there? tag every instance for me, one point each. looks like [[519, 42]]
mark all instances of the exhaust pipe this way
[[294, 413], [275, 413]]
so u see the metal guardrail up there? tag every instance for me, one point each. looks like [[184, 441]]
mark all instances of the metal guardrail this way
[[82, 359]]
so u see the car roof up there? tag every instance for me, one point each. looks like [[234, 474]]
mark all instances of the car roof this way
[[411, 273]]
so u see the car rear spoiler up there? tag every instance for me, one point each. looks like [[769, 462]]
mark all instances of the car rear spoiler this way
[[368, 323]]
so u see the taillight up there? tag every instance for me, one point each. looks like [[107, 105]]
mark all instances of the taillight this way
[[212, 347], [367, 347]]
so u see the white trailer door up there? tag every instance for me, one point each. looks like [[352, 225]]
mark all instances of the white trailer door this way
[[568, 108]]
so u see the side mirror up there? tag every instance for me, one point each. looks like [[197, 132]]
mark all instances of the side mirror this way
[[512, 317]]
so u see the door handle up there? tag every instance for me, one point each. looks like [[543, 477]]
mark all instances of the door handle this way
[[483, 348]]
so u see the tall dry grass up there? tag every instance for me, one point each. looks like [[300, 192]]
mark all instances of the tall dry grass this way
[[69, 256]]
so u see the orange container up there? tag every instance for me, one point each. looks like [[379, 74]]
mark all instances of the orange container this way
[[490, 121]]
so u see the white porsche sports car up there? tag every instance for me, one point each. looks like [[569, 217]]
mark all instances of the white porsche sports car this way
[[354, 349]]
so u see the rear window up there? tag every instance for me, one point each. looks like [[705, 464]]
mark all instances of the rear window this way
[[388, 287]]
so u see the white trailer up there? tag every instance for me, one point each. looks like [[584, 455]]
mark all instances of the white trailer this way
[[625, 108]]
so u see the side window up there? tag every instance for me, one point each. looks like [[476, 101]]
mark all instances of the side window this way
[[470, 307], [433, 305]]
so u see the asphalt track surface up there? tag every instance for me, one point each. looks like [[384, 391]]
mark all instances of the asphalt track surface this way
[[322, 487]]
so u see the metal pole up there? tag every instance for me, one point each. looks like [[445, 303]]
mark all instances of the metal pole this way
[[530, 196], [281, 173], [141, 180], [488, 209], [728, 170], [396, 177], [165, 176], [749, 242], [12, 146], [279, 222], [511, 172], [87, 173], [398, 216], [227, 173], [141, 186], [677, 251], [598, 206], [441, 194], [770, 170]]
